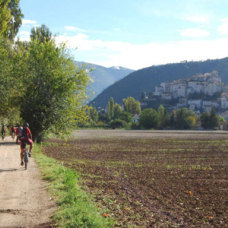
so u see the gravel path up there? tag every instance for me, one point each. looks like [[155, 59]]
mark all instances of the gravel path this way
[[24, 201]]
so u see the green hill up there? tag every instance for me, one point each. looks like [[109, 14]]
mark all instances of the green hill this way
[[147, 78]]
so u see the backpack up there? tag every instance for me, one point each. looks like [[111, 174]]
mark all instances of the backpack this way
[[20, 131]]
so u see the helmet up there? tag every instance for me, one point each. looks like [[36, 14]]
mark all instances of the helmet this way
[[26, 125]]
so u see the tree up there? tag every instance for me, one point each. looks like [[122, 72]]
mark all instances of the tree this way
[[10, 18], [41, 34], [110, 108], [205, 120], [117, 110], [172, 119], [148, 118], [9, 72], [185, 119], [126, 116], [214, 119], [118, 124], [92, 114], [54, 89], [209, 120], [5, 16], [16, 19], [132, 106], [163, 116]]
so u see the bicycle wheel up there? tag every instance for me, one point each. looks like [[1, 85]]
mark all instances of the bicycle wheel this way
[[26, 158]]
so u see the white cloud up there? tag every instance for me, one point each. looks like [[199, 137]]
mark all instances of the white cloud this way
[[142, 55], [223, 29], [195, 33], [197, 18], [73, 28], [29, 22]]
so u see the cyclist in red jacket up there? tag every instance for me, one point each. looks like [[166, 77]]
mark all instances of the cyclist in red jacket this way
[[26, 139]]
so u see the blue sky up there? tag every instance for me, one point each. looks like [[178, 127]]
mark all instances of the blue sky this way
[[133, 33]]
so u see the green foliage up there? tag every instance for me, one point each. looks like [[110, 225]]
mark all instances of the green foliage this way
[[54, 89], [185, 119], [102, 116], [117, 110], [9, 74], [92, 114], [149, 118], [126, 116], [41, 34], [163, 116], [131, 105], [5, 16], [118, 124], [75, 207], [209, 120], [110, 109], [10, 18]]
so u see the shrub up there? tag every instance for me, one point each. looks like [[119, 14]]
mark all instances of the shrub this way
[[118, 124]]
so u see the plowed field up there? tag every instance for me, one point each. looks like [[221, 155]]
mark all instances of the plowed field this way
[[153, 182]]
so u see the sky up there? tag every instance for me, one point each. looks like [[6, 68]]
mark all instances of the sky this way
[[133, 33]]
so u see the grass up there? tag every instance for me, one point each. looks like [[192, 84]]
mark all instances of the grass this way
[[75, 208]]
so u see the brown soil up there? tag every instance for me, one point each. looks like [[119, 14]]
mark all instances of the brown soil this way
[[169, 180], [24, 201]]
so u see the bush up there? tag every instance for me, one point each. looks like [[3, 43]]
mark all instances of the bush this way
[[135, 126], [148, 118], [118, 124]]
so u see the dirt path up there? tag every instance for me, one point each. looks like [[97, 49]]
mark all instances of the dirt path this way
[[24, 201]]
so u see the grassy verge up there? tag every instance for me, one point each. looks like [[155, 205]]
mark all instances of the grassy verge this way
[[75, 207]]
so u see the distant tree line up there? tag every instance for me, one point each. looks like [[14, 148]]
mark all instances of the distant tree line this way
[[125, 116]]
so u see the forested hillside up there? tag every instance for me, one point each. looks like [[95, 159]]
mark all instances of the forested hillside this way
[[146, 79], [102, 77]]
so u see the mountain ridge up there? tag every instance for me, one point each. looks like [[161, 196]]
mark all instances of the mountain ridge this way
[[102, 77], [145, 80]]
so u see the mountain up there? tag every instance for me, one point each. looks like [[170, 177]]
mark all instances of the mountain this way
[[102, 77], [146, 79]]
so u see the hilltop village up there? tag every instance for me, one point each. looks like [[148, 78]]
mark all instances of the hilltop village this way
[[198, 93]]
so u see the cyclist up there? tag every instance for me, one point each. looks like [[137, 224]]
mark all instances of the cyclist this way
[[3, 131], [26, 139], [13, 131], [19, 131]]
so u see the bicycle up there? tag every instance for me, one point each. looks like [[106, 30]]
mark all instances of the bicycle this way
[[25, 157], [3, 135]]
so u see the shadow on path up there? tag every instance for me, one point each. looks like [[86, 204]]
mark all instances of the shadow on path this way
[[8, 143], [7, 170]]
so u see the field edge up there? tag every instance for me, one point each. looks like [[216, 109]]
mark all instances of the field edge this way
[[75, 208]]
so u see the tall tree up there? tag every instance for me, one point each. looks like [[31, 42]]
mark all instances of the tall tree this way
[[148, 118], [93, 114], [16, 18], [41, 33], [54, 89], [10, 18], [5, 16], [117, 110], [185, 119], [163, 116], [209, 120], [110, 108], [131, 105]]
